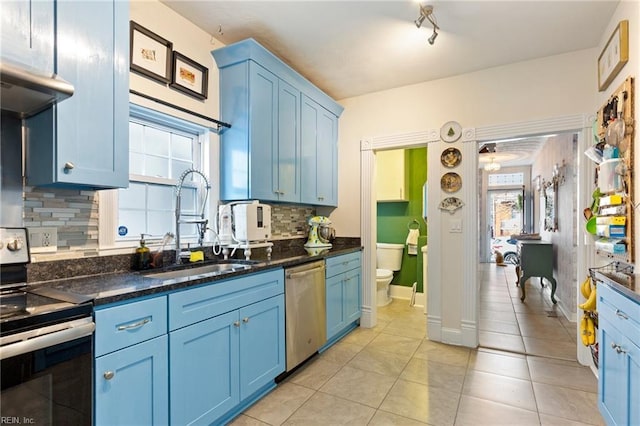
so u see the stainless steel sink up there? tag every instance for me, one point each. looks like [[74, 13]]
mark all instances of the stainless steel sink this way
[[200, 271]]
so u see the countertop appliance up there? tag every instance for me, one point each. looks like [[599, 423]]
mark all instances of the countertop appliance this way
[[252, 221], [305, 311], [45, 345], [320, 232]]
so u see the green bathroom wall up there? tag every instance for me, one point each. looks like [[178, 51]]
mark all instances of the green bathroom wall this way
[[394, 218]]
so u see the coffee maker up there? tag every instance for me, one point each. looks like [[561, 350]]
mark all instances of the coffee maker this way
[[320, 232]]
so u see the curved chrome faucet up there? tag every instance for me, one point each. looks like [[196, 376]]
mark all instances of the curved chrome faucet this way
[[200, 221]]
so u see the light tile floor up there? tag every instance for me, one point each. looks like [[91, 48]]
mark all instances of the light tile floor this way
[[393, 375]]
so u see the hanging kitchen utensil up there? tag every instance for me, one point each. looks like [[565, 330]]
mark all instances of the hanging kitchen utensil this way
[[623, 143], [611, 136]]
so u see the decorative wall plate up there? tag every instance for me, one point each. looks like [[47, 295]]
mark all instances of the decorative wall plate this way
[[451, 157], [451, 204], [450, 182], [451, 131]]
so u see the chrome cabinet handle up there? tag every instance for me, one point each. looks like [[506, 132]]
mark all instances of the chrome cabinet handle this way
[[618, 348], [69, 165], [109, 375], [134, 325], [320, 198], [621, 314], [245, 320], [236, 323]]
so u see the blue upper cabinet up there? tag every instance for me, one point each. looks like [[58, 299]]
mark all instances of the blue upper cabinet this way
[[83, 141], [319, 159], [269, 146], [27, 34]]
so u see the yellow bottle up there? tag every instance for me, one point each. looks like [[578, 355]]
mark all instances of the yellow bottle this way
[[143, 255]]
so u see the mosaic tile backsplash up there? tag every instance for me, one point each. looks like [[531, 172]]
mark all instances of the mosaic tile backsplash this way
[[75, 215]]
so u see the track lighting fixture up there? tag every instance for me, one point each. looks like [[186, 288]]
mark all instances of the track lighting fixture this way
[[426, 12], [432, 39]]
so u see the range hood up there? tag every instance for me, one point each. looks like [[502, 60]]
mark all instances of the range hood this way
[[25, 93]]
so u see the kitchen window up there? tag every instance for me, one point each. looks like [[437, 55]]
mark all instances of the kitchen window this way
[[161, 148]]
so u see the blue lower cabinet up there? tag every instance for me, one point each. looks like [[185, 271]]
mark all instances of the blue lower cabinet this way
[[343, 289], [204, 370], [219, 363], [132, 385], [262, 346]]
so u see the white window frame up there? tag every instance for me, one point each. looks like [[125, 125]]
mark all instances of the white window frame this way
[[108, 199]]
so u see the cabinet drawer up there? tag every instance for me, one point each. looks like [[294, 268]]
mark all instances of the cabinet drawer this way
[[197, 304], [620, 311], [339, 264], [125, 325]]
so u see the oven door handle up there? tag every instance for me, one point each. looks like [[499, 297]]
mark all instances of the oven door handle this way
[[47, 340]]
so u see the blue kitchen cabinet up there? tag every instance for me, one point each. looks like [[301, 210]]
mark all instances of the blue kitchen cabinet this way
[[262, 344], [132, 386], [27, 34], [619, 357], [131, 364], [204, 368], [226, 346], [83, 140], [343, 288], [261, 154], [319, 154]]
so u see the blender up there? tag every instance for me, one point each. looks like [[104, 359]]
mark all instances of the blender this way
[[320, 232]]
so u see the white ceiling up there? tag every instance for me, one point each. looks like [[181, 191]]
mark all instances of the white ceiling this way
[[350, 48]]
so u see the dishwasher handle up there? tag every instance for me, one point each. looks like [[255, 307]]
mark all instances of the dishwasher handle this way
[[305, 272]]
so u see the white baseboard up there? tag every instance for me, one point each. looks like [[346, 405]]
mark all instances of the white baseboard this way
[[404, 292]]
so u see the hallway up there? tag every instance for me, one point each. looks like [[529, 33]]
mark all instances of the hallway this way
[[392, 375]]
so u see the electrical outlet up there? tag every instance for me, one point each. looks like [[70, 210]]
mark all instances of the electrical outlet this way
[[43, 240]]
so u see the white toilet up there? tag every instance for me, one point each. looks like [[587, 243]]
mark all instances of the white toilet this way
[[388, 260]]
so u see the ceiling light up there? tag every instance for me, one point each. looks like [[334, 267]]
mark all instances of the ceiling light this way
[[432, 39], [492, 166], [426, 12]]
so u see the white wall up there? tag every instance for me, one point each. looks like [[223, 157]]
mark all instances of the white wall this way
[[548, 87], [626, 10]]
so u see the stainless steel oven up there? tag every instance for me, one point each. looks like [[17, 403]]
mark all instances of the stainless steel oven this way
[[45, 347]]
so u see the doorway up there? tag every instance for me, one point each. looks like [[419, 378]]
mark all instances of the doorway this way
[[467, 333]]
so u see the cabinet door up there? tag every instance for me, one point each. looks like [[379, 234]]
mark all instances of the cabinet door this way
[[613, 397], [335, 303], [390, 176], [352, 296], [84, 140], [263, 133], [132, 385], [204, 370], [27, 34], [288, 143], [262, 347], [318, 164]]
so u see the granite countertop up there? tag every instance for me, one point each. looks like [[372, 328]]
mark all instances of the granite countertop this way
[[108, 288], [627, 285]]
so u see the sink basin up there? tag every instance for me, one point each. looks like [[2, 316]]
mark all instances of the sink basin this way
[[200, 271]]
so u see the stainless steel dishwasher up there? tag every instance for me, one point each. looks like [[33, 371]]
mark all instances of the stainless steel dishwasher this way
[[305, 311]]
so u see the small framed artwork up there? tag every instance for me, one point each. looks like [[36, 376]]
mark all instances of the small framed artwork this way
[[614, 55], [189, 76], [150, 54]]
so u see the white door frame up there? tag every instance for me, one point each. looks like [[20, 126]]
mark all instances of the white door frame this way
[[579, 123]]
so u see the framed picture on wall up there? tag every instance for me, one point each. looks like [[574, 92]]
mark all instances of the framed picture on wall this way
[[614, 55], [189, 77], [150, 54]]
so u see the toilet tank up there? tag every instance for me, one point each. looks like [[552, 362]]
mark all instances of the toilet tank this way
[[389, 256]]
